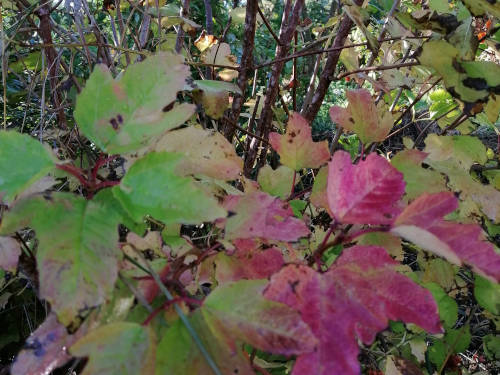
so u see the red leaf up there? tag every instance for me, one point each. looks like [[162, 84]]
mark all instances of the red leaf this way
[[422, 223], [365, 193], [264, 216], [248, 263], [296, 148], [353, 300]]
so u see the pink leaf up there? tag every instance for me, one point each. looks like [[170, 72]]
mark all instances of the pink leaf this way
[[365, 193], [422, 223], [370, 122], [263, 216], [296, 148], [46, 348], [10, 250], [353, 300], [247, 263]]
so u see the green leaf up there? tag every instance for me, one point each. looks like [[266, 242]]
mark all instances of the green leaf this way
[[492, 346], [277, 182], [23, 161], [232, 314], [487, 294], [121, 348], [152, 187], [448, 308], [123, 115], [77, 251], [479, 7]]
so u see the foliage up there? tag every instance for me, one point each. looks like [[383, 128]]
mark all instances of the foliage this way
[[160, 236]]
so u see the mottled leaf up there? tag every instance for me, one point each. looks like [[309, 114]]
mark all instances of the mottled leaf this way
[[220, 54], [371, 122], [10, 250], [23, 161], [422, 223], [365, 193], [46, 348], [277, 182], [418, 180], [120, 348], [353, 300], [480, 7], [261, 215], [207, 152], [123, 115], [153, 187], [296, 147], [77, 264], [232, 314]]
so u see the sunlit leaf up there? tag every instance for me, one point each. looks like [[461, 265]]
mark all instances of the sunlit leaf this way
[[296, 147], [277, 182], [123, 115], [422, 223], [152, 186]]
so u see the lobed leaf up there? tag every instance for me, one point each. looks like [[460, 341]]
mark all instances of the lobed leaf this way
[[296, 147], [353, 300]]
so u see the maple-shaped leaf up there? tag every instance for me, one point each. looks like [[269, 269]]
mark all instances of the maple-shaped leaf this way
[[153, 186], [422, 223], [23, 161], [365, 193], [319, 197], [120, 348], [247, 262], [362, 116], [353, 300], [77, 251], [207, 152], [46, 348], [409, 162], [296, 147], [234, 313], [123, 115], [260, 215]]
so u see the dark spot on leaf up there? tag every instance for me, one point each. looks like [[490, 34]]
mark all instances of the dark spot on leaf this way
[[351, 120], [387, 215], [476, 83], [457, 66], [114, 123], [293, 285], [292, 134], [236, 371], [290, 141], [119, 118], [168, 107]]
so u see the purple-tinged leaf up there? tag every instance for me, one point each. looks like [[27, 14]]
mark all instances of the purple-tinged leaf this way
[[353, 300], [365, 193]]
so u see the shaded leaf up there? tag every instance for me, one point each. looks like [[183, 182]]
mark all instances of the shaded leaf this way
[[232, 314], [10, 250], [207, 152], [422, 223], [23, 161], [261, 215], [371, 122], [152, 187], [46, 348], [128, 112], [365, 193], [353, 300], [296, 147], [487, 294], [78, 266], [119, 348]]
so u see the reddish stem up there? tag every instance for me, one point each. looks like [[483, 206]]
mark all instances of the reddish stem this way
[[74, 171]]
